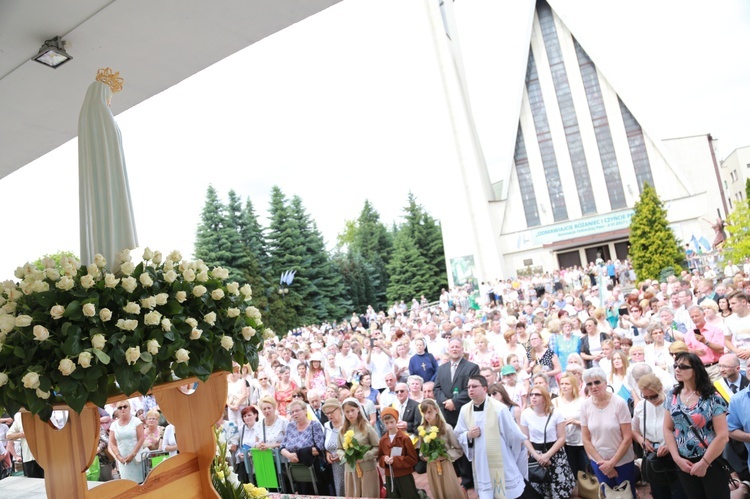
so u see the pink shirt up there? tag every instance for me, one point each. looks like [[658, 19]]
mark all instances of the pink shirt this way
[[713, 335]]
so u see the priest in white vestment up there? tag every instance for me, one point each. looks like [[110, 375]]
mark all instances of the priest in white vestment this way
[[493, 442]]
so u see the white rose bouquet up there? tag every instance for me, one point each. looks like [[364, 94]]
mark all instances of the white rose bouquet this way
[[66, 330]]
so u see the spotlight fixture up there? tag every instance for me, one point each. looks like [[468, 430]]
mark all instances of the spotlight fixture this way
[[52, 53]]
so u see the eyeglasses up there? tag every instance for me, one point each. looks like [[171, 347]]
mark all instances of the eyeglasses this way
[[596, 382], [535, 394], [262, 379], [682, 367], [649, 397], [296, 411], [635, 309], [400, 391], [329, 413], [297, 396], [121, 407]]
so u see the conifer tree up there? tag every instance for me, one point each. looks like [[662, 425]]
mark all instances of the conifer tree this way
[[372, 242], [428, 238], [217, 241], [355, 273], [653, 245], [240, 261], [410, 274]]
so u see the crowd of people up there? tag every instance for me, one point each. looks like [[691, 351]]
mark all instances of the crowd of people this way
[[527, 383]]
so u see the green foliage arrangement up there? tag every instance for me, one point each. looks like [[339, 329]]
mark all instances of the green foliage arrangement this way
[[65, 333], [737, 246], [653, 245]]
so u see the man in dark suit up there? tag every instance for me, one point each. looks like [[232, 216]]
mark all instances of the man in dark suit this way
[[735, 451], [451, 393], [409, 417], [314, 399]]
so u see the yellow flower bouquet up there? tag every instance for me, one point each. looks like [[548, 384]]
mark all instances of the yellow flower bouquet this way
[[354, 451], [432, 447]]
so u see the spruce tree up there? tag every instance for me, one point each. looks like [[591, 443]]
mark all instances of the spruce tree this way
[[211, 243], [356, 275], [372, 242], [411, 276], [428, 238], [240, 260], [653, 245], [258, 269]]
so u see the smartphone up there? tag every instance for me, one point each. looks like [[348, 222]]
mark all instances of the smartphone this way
[[372, 342], [623, 311]]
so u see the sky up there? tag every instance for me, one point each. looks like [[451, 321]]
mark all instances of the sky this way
[[347, 105]]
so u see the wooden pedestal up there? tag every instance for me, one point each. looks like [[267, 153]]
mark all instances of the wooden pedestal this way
[[65, 454]]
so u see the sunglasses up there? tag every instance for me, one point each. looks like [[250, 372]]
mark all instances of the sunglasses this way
[[400, 391], [683, 367], [535, 394], [121, 407], [649, 397], [596, 382]]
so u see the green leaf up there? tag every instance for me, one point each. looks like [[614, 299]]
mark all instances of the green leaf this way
[[74, 311], [126, 378], [146, 367], [99, 396], [47, 299], [73, 346], [99, 354], [146, 357]]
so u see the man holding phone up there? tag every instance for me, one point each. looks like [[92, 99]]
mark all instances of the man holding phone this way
[[705, 341]]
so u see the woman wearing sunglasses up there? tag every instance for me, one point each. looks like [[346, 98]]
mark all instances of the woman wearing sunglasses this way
[[605, 427], [125, 440], [695, 429]]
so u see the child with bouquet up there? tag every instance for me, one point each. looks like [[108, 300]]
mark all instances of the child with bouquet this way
[[358, 446], [439, 447]]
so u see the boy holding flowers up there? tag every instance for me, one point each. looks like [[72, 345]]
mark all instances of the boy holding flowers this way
[[397, 456]]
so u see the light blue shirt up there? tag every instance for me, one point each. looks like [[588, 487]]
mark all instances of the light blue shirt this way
[[739, 414]]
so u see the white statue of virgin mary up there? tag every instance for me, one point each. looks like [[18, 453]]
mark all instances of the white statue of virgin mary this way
[[106, 212]]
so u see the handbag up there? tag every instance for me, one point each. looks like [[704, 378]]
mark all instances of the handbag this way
[[537, 472], [658, 470], [588, 485], [621, 491], [719, 461]]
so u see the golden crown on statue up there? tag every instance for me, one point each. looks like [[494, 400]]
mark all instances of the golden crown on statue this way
[[109, 77]]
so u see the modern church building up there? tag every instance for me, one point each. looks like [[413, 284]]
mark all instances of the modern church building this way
[[551, 159]]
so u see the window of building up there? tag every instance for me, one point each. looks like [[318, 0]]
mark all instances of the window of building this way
[[544, 138], [726, 186], [567, 109], [526, 186], [735, 177], [601, 129], [637, 143]]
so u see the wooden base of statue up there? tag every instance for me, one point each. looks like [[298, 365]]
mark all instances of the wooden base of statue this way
[[65, 454]]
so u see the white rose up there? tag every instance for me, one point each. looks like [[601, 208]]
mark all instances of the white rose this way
[[124, 256], [180, 296], [65, 283], [175, 256], [220, 273], [13, 293], [52, 274], [148, 254], [87, 281], [66, 367], [168, 265], [195, 333], [100, 261], [152, 318], [183, 266], [202, 276], [23, 320], [268, 334], [110, 281], [199, 290], [227, 342], [93, 270], [57, 312], [248, 332], [182, 356], [166, 325], [132, 308], [246, 291], [157, 258], [127, 268], [148, 302], [233, 288], [40, 333], [105, 314], [39, 286], [189, 275], [68, 270], [98, 341], [161, 298], [20, 273], [130, 324], [30, 380], [3, 379], [146, 280], [217, 294], [129, 284], [132, 355], [210, 318], [153, 347], [42, 394], [233, 312], [89, 310], [191, 322], [10, 308], [170, 276], [252, 313], [84, 359]]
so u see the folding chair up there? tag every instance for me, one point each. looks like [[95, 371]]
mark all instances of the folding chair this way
[[299, 473], [150, 459]]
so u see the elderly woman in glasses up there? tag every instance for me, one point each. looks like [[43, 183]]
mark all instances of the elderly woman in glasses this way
[[695, 429], [125, 441], [606, 431], [304, 440], [648, 432]]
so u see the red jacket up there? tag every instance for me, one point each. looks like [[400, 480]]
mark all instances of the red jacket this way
[[402, 465]]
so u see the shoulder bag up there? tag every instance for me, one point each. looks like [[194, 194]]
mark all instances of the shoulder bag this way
[[654, 469], [537, 472]]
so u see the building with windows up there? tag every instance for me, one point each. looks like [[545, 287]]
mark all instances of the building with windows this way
[[551, 159], [735, 170]]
